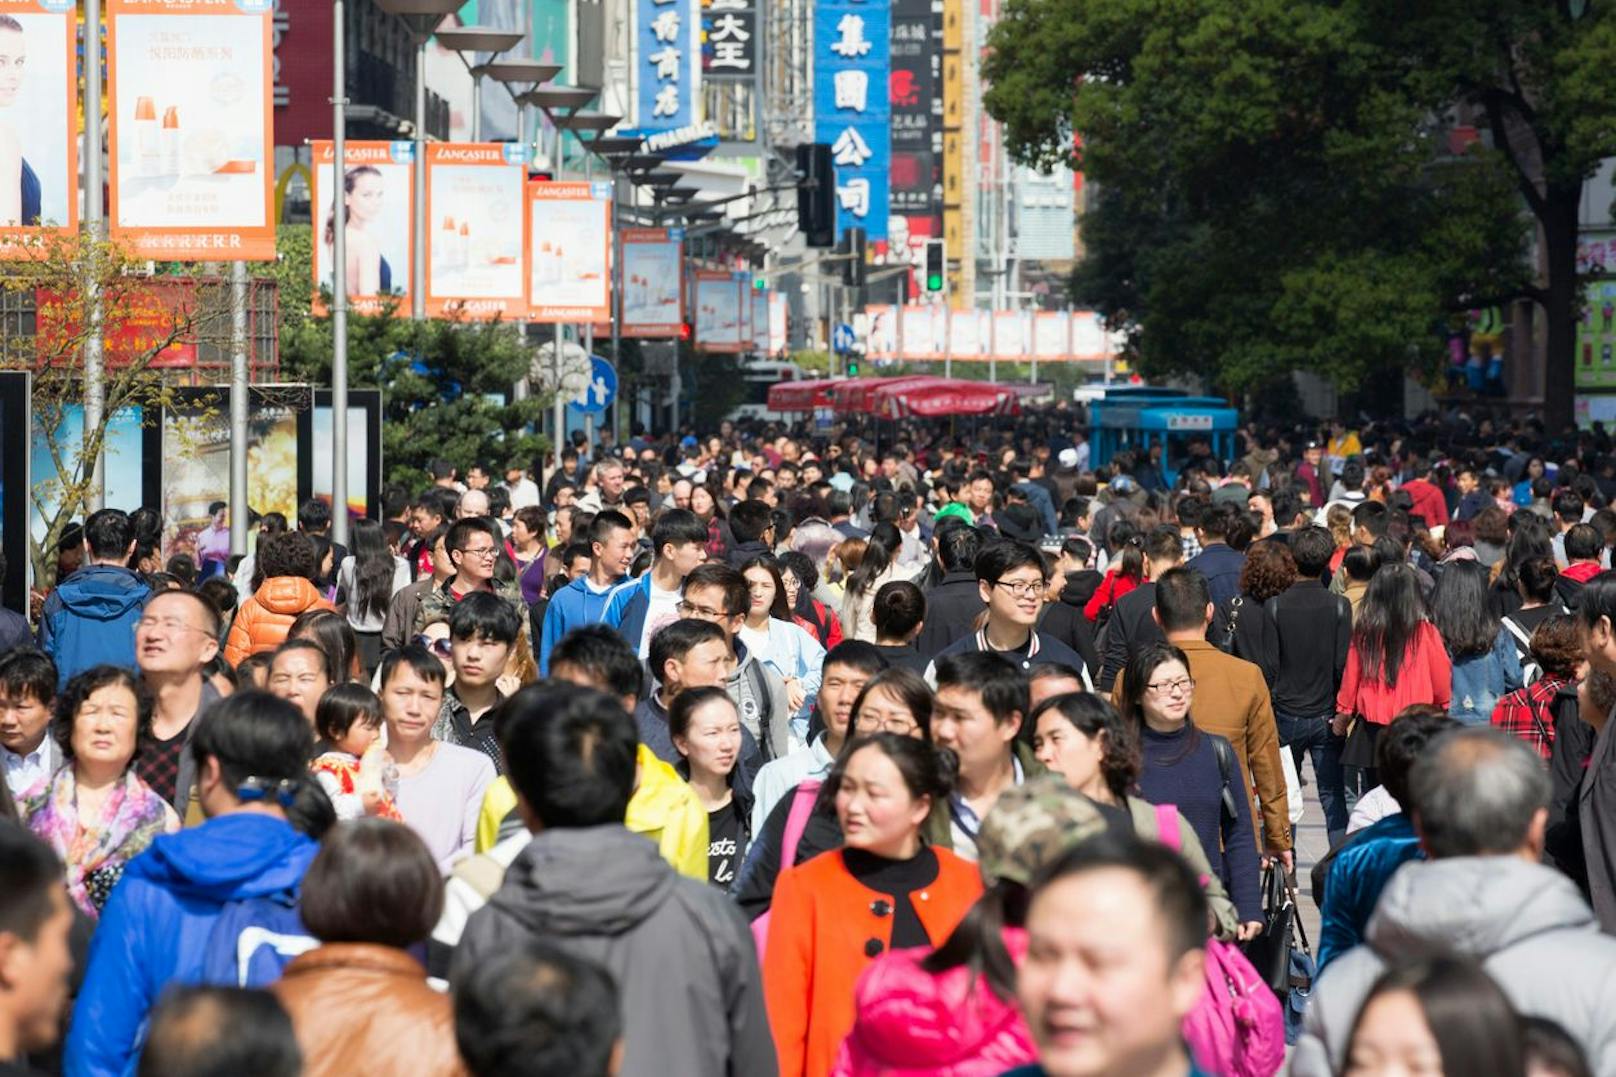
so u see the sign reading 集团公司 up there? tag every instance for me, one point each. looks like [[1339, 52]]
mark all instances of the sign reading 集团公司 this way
[[852, 113]]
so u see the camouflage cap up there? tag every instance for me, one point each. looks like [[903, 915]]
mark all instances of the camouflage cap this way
[[1031, 825]]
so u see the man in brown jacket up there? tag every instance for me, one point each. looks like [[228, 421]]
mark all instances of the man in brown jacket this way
[[1231, 700]]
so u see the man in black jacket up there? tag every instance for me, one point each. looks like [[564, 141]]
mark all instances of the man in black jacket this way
[[954, 602], [1308, 631], [1133, 618]]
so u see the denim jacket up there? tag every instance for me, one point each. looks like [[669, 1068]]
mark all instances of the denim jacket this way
[[1481, 680]]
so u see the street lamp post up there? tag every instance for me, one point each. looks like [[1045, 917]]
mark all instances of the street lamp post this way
[[339, 285], [466, 42]]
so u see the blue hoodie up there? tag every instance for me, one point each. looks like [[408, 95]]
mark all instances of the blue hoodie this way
[[155, 928], [574, 605], [90, 619]]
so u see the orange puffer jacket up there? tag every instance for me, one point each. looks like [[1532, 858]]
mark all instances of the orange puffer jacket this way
[[264, 619]]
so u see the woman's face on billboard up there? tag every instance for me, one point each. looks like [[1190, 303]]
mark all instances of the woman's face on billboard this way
[[365, 203], [13, 58]]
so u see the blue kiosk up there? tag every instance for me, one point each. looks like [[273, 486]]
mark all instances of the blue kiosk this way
[[1137, 417]]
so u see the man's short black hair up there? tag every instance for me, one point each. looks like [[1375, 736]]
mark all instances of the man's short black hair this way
[[1568, 507], [31, 871], [256, 735], [898, 608], [574, 550], [460, 532], [532, 1010], [314, 515], [992, 676], [675, 640], [636, 495], [1312, 547], [27, 672], [1182, 596], [417, 658], [604, 523], [1003, 556], [750, 520], [205, 1031], [1402, 743], [1373, 517], [570, 754], [855, 654], [730, 581], [483, 615], [1179, 899], [1164, 543], [957, 545], [108, 533], [1583, 543], [1217, 519], [677, 527], [212, 621], [604, 656]]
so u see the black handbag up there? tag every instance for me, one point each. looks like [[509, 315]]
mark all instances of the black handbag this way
[[1270, 952]]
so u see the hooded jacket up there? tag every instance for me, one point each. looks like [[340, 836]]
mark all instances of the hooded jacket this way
[[155, 928], [1527, 925], [680, 951], [90, 620], [264, 619], [578, 603]]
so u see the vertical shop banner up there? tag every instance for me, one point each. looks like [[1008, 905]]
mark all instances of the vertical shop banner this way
[[377, 188], [760, 323], [653, 303], [852, 39], [474, 229], [192, 142], [1596, 337], [917, 118], [39, 191], [729, 49], [881, 338], [667, 44], [778, 329], [718, 311], [1051, 333], [1010, 330], [569, 228], [1089, 341]]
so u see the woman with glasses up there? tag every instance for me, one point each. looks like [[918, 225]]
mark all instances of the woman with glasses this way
[[777, 641], [1196, 772], [894, 701]]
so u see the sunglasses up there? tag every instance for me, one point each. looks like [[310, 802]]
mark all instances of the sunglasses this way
[[439, 647]]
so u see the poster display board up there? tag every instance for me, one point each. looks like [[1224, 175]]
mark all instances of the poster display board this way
[[129, 462], [718, 311], [1596, 337], [15, 406], [191, 155], [968, 332], [364, 451], [474, 229], [924, 332], [778, 329], [881, 339], [569, 227], [1089, 342], [1010, 332], [38, 109], [760, 323], [378, 183], [1051, 335], [653, 303]]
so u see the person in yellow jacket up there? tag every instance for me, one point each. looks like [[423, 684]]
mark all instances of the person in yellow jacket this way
[[663, 809]]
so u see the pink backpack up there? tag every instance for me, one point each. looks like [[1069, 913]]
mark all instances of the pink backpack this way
[[1238, 1028], [802, 806]]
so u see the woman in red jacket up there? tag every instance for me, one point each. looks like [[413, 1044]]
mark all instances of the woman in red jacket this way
[[884, 889], [1396, 659]]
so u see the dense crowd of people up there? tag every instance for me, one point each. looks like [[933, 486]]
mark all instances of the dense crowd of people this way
[[768, 752]]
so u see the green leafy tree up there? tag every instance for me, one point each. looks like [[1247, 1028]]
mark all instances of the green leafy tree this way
[[1280, 185]]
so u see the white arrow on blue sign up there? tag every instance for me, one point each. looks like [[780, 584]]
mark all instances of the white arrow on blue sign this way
[[842, 339]]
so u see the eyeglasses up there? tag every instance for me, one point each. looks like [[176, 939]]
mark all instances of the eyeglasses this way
[[167, 624], [487, 553], [885, 723], [440, 647], [1022, 588], [686, 609], [1183, 686]]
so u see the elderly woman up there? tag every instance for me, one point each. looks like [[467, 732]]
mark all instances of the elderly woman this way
[[94, 811]]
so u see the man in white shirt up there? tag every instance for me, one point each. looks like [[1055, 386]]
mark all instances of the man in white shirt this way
[[27, 692], [523, 490], [640, 606]]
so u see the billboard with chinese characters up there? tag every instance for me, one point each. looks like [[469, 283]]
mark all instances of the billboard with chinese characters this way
[[190, 105], [852, 39], [729, 34], [719, 319], [474, 229], [569, 227], [667, 45], [653, 303], [917, 117], [378, 183], [38, 107]]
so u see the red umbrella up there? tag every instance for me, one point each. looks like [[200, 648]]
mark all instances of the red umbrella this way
[[858, 394], [805, 395]]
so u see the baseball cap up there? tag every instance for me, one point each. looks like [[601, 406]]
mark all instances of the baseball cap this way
[[1067, 458], [1032, 824]]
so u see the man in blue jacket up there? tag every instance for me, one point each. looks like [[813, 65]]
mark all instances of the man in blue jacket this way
[[584, 600], [90, 618], [204, 894], [638, 607], [1218, 561]]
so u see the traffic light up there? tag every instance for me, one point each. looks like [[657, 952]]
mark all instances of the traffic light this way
[[816, 194], [760, 284], [852, 366], [935, 279], [853, 270]]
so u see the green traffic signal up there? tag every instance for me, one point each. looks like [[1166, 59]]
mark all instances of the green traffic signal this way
[[934, 283]]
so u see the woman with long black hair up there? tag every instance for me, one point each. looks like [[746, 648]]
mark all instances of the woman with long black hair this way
[[369, 576], [879, 566], [1485, 665]]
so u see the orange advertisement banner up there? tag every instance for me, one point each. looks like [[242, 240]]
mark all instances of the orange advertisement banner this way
[[474, 266], [39, 165], [653, 301], [192, 129], [569, 250], [377, 187]]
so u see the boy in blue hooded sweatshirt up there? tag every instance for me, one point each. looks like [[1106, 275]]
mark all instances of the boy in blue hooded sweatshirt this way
[[89, 619], [159, 926], [584, 600]]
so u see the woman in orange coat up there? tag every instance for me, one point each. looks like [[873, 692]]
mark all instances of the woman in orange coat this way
[[288, 564], [884, 889]]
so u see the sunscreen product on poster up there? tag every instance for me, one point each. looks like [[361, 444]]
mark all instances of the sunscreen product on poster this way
[[149, 154], [169, 141]]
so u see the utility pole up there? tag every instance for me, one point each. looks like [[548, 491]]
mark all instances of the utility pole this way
[[339, 281], [95, 379]]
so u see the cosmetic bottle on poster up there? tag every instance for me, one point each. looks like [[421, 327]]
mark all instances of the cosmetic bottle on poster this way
[[169, 141], [443, 255], [463, 245], [148, 153]]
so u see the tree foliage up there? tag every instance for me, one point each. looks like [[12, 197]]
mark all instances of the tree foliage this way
[[1280, 184]]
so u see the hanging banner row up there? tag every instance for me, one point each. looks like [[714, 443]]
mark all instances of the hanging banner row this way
[[733, 317], [189, 115], [936, 332]]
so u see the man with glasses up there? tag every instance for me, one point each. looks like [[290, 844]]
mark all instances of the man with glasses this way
[[177, 634], [718, 593], [398, 625], [1011, 579], [473, 547]]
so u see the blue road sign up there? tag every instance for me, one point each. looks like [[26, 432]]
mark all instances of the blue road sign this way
[[842, 339], [602, 388]]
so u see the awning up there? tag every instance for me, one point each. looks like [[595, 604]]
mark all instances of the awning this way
[[858, 394], [950, 396], [805, 395]]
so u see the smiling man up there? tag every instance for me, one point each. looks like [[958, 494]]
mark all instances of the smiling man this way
[[177, 634], [1011, 579]]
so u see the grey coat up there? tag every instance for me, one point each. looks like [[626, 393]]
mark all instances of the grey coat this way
[[1528, 926], [680, 951]]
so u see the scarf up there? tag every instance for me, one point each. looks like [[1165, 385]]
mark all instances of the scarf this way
[[95, 851]]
